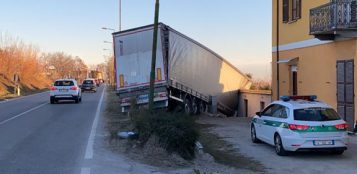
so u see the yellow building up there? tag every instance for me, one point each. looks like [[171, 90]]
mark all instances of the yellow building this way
[[314, 50]]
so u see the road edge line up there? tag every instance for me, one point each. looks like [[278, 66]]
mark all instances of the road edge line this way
[[85, 170], [89, 148]]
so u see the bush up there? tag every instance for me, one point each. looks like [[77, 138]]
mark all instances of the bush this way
[[176, 132]]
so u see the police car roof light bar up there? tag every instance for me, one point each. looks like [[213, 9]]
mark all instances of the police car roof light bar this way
[[306, 97]]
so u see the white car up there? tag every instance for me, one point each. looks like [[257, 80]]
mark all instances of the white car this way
[[300, 123], [65, 89]]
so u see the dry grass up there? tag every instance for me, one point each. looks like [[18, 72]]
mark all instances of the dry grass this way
[[225, 153], [31, 87]]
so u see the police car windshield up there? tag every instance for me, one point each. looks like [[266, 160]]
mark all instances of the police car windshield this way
[[316, 114]]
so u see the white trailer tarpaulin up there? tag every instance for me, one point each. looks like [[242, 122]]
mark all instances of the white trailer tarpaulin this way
[[199, 68]]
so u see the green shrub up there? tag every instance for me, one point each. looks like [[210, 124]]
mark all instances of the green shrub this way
[[176, 132]]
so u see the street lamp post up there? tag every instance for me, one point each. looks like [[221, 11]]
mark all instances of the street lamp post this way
[[119, 15]]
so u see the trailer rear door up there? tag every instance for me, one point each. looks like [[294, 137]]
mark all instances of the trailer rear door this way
[[133, 52]]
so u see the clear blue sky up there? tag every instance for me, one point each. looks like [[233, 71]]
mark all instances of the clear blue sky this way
[[239, 30]]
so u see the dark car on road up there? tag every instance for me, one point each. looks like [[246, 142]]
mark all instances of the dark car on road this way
[[89, 85]]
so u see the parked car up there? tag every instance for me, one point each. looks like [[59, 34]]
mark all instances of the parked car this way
[[300, 123], [65, 89], [97, 82], [89, 85]]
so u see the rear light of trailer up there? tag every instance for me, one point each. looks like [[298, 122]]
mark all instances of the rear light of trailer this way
[[162, 94], [125, 100], [158, 72], [342, 126], [298, 127], [53, 88], [121, 80], [74, 88]]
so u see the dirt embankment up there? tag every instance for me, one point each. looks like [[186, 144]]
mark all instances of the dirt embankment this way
[[27, 87], [218, 156]]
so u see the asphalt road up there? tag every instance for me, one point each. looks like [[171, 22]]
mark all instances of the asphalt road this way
[[37, 137]]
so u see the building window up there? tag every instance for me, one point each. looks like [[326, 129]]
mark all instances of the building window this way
[[296, 9], [291, 10], [286, 10]]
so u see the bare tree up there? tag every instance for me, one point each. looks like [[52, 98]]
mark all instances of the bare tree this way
[[62, 65]]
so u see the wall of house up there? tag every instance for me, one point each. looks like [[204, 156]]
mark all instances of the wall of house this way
[[316, 73], [316, 70], [254, 98], [294, 31]]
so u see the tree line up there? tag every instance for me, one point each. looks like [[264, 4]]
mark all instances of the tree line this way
[[35, 68]]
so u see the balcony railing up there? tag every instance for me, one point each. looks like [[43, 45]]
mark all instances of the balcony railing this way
[[334, 16]]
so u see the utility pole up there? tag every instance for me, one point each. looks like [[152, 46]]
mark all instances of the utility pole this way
[[119, 15], [153, 58]]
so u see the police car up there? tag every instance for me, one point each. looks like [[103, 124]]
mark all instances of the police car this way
[[299, 123]]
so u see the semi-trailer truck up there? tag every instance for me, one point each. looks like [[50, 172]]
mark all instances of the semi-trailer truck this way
[[187, 73]]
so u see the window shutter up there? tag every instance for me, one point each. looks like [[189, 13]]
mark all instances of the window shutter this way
[[354, 11], [294, 10], [298, 9], [286, 10]]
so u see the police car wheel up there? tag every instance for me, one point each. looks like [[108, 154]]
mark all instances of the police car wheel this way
[[253, 135], [279, 149]]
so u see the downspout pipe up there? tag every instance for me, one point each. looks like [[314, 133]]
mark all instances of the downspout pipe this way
[[277, 50]]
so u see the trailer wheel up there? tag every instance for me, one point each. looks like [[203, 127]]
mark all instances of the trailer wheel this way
[[188, 106], [195, 107], [202, 107]]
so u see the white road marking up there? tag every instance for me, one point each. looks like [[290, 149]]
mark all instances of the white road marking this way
[[85, 170], [89, 149], [22, 97], [19, 115]]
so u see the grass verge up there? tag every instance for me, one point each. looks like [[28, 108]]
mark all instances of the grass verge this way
[[176, 132], [154, 153], [150, 152]]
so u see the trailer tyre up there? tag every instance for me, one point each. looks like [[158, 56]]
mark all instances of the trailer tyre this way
[[188, 106], [202, 107], [195, 107]]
